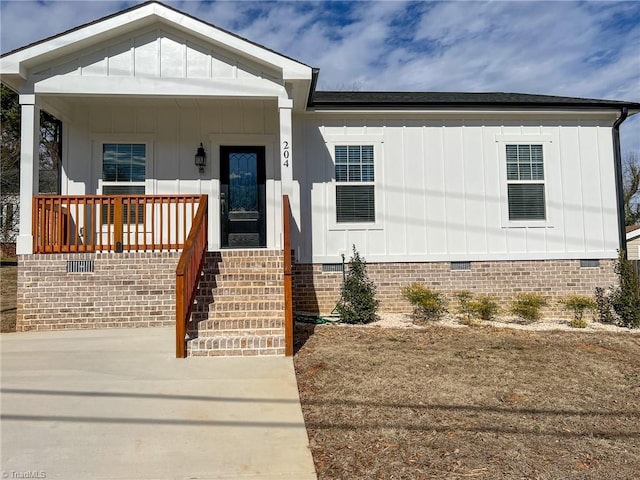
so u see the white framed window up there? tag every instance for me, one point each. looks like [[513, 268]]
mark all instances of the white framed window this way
[[525, 182], [124, 172], [525, 186], [355, 197]]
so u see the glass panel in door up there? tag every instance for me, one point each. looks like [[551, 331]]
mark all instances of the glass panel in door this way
[[242, 197]]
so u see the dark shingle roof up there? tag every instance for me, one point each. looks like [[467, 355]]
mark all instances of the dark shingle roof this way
[[343, 99]]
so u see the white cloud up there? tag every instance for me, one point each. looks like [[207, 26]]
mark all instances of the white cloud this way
[[581, 49]]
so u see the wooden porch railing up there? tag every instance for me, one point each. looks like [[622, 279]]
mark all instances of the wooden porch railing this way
[[188, 273], [288, 295], [99, 223]]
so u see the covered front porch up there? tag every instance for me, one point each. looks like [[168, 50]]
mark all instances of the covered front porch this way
[[143, 151]]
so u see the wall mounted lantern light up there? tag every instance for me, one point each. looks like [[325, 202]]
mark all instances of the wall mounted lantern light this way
[[201, 158]]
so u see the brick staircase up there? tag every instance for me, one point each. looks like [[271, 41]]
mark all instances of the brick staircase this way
[[239, 306]]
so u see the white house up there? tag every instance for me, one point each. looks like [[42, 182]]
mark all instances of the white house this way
[[633, 243], [489, 192]]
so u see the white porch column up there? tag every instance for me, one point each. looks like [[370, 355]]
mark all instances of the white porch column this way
[[285, 106], [29, 170]]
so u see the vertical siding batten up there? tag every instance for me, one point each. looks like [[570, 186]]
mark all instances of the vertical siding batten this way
[[581, 160], [443, 157], [406, 163], [483, 167], [425, 203], [600, 193]]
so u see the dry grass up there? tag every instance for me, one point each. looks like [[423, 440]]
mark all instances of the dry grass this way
[[8, 280], [471, 403]]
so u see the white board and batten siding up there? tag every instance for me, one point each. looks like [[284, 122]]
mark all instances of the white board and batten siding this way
[[440, 190], [149, 62]]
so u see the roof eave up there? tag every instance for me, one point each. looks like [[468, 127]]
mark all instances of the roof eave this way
[[633, 108]]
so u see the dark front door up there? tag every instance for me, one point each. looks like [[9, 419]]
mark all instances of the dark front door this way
[[242, 197]]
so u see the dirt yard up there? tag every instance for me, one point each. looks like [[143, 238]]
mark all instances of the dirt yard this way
[[459, 403], [8, 280]]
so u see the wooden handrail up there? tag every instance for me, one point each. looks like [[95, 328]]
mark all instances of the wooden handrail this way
[[188, 273], [288, 294], [99, 223]]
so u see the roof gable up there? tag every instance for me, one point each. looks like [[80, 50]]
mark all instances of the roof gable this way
[[157, 51], [16, 65]]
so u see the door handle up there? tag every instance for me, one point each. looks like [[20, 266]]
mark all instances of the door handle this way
[[223, 204]]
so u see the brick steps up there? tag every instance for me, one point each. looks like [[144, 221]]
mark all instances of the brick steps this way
[[226, 345], [241, 324], [239, 307]]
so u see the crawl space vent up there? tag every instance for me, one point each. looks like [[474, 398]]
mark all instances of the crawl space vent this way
[[80, 266], [589, 263], [331, 267], [460, 265]]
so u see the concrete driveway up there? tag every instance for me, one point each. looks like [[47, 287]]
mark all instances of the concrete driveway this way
[[115, 404]]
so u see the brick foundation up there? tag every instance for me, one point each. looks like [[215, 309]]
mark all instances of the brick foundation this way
[[125, 290], [138, 289], [317, 292]]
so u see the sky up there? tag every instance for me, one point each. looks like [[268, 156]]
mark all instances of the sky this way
[[579, 49]]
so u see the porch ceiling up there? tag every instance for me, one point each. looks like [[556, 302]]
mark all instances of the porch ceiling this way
[[63, 106], [72, 101]]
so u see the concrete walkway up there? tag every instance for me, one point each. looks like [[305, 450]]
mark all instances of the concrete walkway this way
[[115, 404]]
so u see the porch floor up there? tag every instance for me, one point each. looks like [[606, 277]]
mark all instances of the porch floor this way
[[116, 404]]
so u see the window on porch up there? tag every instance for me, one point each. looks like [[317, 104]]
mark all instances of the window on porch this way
[[123, 173]]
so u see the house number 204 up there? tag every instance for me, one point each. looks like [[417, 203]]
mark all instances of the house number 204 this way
[[286, 152]]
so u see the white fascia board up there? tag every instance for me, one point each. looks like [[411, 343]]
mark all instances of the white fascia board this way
[[469, 113], [9, 66], [76, 40], [633, 234], [153, 86]]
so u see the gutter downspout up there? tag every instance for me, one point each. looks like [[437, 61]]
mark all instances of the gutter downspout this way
[[617, 159]]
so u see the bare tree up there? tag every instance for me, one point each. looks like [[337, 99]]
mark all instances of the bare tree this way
[[50, 141], [631, 187], [9, 164]]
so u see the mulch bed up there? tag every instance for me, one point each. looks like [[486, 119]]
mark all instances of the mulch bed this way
[[8, 282], [460, 403]]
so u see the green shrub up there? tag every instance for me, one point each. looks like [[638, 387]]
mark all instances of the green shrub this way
[[621, 304], [578, 305], [579, 323], [357, 301], [427, 304], [474, 309], [626, 298], [485, 307], [527, 306], [603, 306], [466, 308]]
